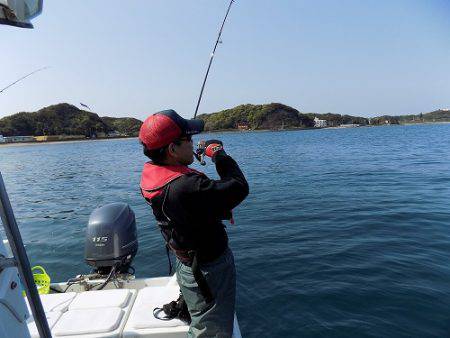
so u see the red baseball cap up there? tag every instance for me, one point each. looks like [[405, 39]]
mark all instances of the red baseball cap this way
[[164, 127]]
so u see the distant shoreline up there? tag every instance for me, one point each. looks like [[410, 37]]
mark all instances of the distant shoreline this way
[[321, 128], [21, 144], [414, 123]]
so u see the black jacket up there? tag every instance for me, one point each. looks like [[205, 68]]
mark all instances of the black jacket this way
[[196, 206]]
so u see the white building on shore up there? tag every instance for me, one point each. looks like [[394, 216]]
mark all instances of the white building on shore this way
[[19, 139], [318, 123], [2, 139]]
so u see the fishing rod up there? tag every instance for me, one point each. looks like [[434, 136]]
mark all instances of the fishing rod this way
[[23, 77], [212, 57], [199, 153]]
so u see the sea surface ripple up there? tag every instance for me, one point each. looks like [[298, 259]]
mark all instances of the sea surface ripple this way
[[345, 232]]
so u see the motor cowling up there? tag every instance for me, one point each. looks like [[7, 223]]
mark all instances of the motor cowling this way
[[111, 238]]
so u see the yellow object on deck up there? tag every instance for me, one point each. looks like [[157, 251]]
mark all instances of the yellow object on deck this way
[[41, 279]]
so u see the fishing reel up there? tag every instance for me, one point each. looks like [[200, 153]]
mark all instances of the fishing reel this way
[[199, 153]]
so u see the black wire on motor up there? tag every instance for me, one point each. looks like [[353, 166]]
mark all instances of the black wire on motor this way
[[69, 283], [56, 290], [111, 273]]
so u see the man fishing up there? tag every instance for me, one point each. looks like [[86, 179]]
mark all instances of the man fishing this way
[[189, 208]]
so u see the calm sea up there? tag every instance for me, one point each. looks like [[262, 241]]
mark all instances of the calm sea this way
[[345, 232]]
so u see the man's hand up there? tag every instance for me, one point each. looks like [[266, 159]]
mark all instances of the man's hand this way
[[212, 147]]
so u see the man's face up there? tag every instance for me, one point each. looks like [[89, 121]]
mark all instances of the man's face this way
[[184, 150]]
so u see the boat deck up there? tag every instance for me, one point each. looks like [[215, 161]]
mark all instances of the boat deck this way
[[124, 310]]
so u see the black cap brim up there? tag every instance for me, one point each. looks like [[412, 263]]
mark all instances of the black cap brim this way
[[188, 127], [194, 127]]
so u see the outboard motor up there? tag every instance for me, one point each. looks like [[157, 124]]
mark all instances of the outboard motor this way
[[111, 238]]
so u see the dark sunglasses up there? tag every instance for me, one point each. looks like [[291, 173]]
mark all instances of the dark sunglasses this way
[[187, 138]]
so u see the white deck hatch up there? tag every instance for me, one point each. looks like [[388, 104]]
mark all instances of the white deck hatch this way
[[84, 322], [101, 299]]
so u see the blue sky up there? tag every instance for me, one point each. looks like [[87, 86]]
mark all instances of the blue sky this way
[[134, 58]]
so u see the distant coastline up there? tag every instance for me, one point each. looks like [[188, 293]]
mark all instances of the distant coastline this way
[[19, 144], [66, 123], [277, 116]]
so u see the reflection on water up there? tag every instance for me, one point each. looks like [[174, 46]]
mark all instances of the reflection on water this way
[[344, 233]]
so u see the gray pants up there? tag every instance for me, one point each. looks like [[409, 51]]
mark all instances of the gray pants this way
[[216, 319]]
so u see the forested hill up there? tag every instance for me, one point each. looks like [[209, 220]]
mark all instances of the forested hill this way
[[263, 116], [440, 115], [276, 116], [271, 116], [65, 119], [124, 125]]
